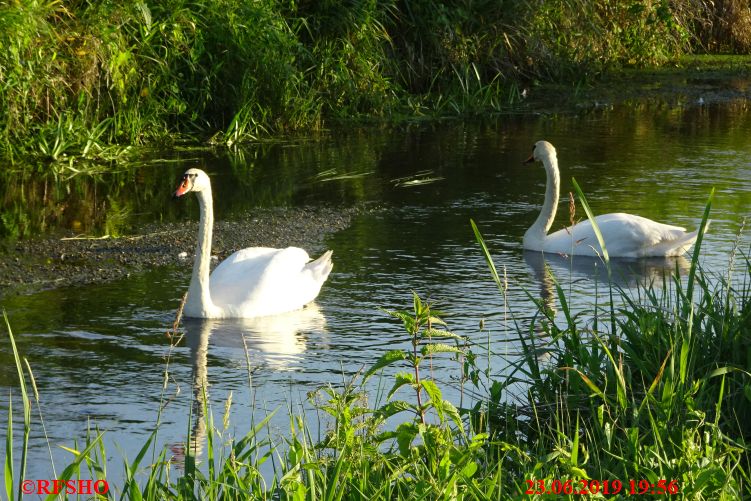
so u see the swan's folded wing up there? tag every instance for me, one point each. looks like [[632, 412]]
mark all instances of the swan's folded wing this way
[[249, 254], [635, 236], [263, 281], [625, 235]]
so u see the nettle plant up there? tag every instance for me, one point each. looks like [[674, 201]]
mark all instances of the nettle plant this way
[[428, 337], [412, 444]]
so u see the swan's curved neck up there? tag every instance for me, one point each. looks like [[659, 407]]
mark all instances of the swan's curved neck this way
[[199, 295], [537, 232]]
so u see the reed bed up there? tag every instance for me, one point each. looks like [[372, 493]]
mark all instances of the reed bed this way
[[85, 80]]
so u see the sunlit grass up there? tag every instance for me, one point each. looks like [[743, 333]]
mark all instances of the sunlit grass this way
[[84, 80]]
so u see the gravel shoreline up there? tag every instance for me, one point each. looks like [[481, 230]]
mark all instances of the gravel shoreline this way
[[33, 265]]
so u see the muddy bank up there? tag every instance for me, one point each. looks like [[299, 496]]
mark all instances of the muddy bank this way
[[38, 264]]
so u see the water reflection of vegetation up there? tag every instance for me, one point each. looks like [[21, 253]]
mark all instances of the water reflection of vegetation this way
[[366, 164], [84, 204]]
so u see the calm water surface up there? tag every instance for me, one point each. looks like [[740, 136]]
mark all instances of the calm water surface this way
[[99, 352]]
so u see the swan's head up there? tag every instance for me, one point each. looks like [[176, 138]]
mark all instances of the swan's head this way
[[542, 150], [193, 180]]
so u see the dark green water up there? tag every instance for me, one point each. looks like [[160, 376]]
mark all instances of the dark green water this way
[[98, 352]]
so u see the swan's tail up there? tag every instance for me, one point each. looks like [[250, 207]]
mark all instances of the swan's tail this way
[[682, 245], [321, 267]]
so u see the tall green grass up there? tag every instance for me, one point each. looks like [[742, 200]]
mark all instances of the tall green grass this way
[[81, 80]]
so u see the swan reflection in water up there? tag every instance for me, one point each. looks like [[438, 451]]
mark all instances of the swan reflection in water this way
[[549, 268], [625, 272], [275, 341]]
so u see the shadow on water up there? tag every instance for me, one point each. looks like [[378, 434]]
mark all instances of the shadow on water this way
[[273, 343]]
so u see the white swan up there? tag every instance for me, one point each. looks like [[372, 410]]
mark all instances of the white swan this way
[[252, 282], [625, 235]]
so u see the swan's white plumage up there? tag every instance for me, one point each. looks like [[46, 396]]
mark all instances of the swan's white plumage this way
[[252, 282], [625, 235], [283, 280]]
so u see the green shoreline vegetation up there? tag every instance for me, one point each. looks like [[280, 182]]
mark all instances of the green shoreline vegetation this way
[[647, 393], [86, 79]]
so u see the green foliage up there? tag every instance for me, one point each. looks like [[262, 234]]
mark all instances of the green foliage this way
[[649, 398], [420, 326], [80, 78], [8, 466], [590, 37]]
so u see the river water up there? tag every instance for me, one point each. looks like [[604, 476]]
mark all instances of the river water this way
[[99, 352]]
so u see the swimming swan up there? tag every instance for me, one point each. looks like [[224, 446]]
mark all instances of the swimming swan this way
[[252, 282], [625, 235]]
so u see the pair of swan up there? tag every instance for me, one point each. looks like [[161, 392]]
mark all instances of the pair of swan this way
[[625, 235], [261, 281]]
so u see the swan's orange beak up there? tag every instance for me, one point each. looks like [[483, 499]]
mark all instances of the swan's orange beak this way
[[183, 188], [530, 159]]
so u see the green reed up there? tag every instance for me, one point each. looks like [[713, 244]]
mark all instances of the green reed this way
[[649, 398], [8, 467]]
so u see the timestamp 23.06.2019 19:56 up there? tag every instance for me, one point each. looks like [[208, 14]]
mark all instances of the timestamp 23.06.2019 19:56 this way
[[605, 487]]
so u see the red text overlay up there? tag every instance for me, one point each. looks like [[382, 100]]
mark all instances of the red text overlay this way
[[65, 487], [606, 487]]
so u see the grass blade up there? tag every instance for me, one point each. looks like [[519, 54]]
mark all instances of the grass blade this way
[[80, 456], [488, 258], [8, 469], [591, 217], [41, 417], [26, 408], [697, 248]]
